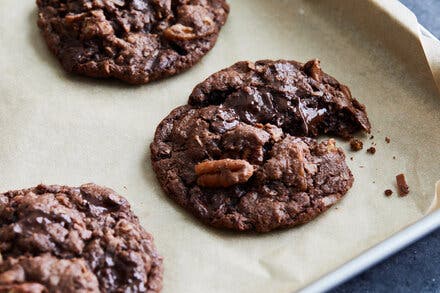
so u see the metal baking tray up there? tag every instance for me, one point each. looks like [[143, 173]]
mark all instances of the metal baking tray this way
[[382, 250]]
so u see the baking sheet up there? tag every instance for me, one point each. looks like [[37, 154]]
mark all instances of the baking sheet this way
[[375, 254], [63, 129]]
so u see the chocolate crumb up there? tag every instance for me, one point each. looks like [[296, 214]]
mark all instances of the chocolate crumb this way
[[371, 137], [388, 192], [402, 186], [351, 158], [356, 145], [387, 139], [394, 157], [371, 150]]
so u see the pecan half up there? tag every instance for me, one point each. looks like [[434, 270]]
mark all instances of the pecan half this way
[[223, 173], [71, 18], [179, 32], [313, 69]]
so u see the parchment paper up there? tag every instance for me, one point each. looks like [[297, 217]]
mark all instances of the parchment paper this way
[[61, 129]]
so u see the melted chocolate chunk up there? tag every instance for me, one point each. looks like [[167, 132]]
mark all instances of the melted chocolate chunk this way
[[299, 98]]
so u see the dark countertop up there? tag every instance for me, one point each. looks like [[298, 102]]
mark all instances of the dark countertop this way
[[427, 12], [416, 268]]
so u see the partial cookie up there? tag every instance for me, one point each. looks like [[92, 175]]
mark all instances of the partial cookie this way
[[241, 176], [86, 239], [299, 98], [133, 40]]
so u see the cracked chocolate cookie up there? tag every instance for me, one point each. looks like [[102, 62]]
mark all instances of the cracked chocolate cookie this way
[[244, 176], [63, 239], [133, 40], [300, 98]]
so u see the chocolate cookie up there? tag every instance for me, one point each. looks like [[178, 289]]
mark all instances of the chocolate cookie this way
[[86, 239], [133, 40], [245, 176], [297, 97]]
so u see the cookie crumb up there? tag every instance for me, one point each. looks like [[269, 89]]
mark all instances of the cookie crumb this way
[[371, 137], [388, 192], [387, 139], [402, 186], [371, 150], [394, 157], [351, 158], [356, 145]]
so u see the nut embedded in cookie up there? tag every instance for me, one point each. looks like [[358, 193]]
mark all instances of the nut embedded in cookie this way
[[223, 173], [179, 32], [313, 69], [247, 177]]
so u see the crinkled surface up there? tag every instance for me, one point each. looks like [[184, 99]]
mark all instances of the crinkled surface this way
[[300, 98], [133, 40], [57, 275], [83, 239], [294, 179]]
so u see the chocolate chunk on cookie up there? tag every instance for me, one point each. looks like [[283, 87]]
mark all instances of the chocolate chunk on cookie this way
[[133, 40], [63, 239], [245, 176], [299, 98]]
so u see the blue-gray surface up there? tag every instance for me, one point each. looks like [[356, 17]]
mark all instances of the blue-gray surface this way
[[417, 268]]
